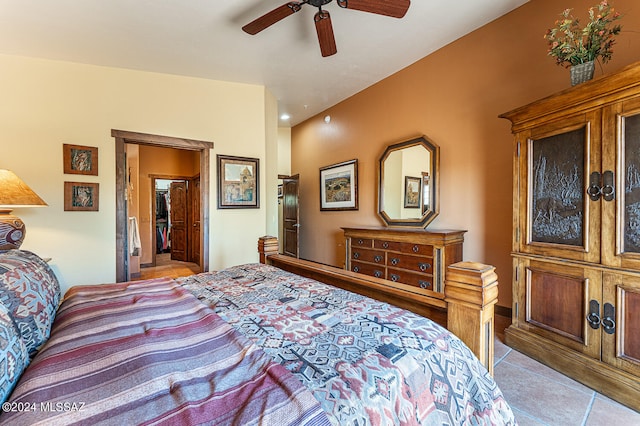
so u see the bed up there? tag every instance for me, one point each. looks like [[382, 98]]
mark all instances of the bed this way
[[251, 344]]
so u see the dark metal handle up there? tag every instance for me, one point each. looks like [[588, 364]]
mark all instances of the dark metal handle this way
[[377, 274], [395, 277], [356, 269], [395, 261], [377, 258], [594, 189], [608, 322], [424, 266], [593, 318], [356, 255], [608, 190], [360, 241], [425, 284], [415, 248], [385, 245]]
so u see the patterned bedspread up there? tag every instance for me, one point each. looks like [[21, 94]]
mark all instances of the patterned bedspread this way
[[367, 362], [151, 353]]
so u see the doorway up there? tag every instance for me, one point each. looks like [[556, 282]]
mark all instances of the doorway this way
[[290, 216], [202, 188]]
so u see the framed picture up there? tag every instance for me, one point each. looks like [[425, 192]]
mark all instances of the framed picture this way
[[280, 191], [339, 186], [238, 182], [80, 160], [81, 196], [412, 192]]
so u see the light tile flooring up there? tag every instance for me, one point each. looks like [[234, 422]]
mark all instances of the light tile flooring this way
[[539, 395]]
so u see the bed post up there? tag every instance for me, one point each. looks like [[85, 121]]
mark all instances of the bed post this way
[[471, 291], [267, 246]]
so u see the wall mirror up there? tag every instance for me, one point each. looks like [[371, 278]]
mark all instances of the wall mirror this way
[[408, 183]]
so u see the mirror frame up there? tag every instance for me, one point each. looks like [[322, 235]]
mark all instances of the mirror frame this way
[[429, 215]]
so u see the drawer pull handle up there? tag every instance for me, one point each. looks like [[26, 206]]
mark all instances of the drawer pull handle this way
[[395, 277], [424, 266], [385, 245], [356, 269], [395, 261], [377, 274], [360, 242], [377, 258], [416, 249], [425, 284], [356, 255]]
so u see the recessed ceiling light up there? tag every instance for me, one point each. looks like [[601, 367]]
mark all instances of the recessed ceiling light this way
[[285, 117], [327, 119]]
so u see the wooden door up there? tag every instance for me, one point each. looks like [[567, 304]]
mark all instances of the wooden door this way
[[291, 216], [621, 162], [621, 322], [554, 301], [178, 227], [555, 217], [193, 194]]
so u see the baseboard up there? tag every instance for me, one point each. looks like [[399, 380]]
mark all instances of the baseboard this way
[[503, 311]]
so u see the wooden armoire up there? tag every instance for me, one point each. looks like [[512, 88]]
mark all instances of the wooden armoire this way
[[576, 233]]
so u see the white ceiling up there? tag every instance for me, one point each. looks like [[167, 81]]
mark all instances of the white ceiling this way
[[203, 38]]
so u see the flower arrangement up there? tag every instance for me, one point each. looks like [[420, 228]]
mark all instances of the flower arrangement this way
[[572, 45]]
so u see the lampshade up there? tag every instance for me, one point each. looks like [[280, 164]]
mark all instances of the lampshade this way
[[14, 193]]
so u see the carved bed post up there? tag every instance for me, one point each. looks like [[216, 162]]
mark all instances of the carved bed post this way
[[471, 291], [267, 246]]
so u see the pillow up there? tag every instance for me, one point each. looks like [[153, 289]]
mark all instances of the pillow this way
[[14, 357], [31, 292]]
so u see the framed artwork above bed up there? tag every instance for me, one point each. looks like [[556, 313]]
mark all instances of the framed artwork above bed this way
[[238, 182], [339, 186], [81, 196], [80, 160]]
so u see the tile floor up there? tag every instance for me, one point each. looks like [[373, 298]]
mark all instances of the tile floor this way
[[550, 398]]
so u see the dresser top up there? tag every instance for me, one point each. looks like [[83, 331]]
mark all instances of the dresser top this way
[[412, 234]]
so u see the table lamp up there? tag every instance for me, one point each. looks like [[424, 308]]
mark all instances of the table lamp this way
[[14, 193]]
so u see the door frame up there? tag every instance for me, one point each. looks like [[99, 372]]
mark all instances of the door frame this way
[[123, 137]]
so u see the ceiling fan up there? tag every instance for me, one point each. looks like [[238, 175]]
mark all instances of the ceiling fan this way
[[322, 19]]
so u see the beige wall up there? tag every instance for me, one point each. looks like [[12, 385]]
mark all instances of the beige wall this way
[[454, 97], [48, 103]]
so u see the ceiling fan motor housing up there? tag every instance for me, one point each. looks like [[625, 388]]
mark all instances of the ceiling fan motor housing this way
[[318, 3]]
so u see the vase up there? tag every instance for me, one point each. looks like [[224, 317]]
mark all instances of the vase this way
[[582, 72]]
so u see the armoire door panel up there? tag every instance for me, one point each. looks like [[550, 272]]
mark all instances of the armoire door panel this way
[[556, 166], [622, 347], [621, 230], [557, 301]]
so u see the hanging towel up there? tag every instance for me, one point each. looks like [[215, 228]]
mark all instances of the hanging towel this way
[[135, 247]]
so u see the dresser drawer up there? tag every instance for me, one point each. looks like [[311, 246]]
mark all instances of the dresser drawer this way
[[368, 269], [412, 263], [424, 281], [420, 249], [361, 242], [365, 255]]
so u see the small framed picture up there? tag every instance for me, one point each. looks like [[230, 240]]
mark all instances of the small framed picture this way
[[238, 182], [339, 186], [280, 191], [80, 160], [81, 196], [412, 192]]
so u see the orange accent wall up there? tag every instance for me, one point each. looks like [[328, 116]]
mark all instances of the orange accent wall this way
[[454, 97]]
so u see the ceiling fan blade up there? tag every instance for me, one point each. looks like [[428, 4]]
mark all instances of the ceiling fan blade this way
[[325, 33], [393, 8], [270, 18]]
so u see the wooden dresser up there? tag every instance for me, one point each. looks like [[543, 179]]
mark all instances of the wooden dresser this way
[[416, 257], [576, 235]]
